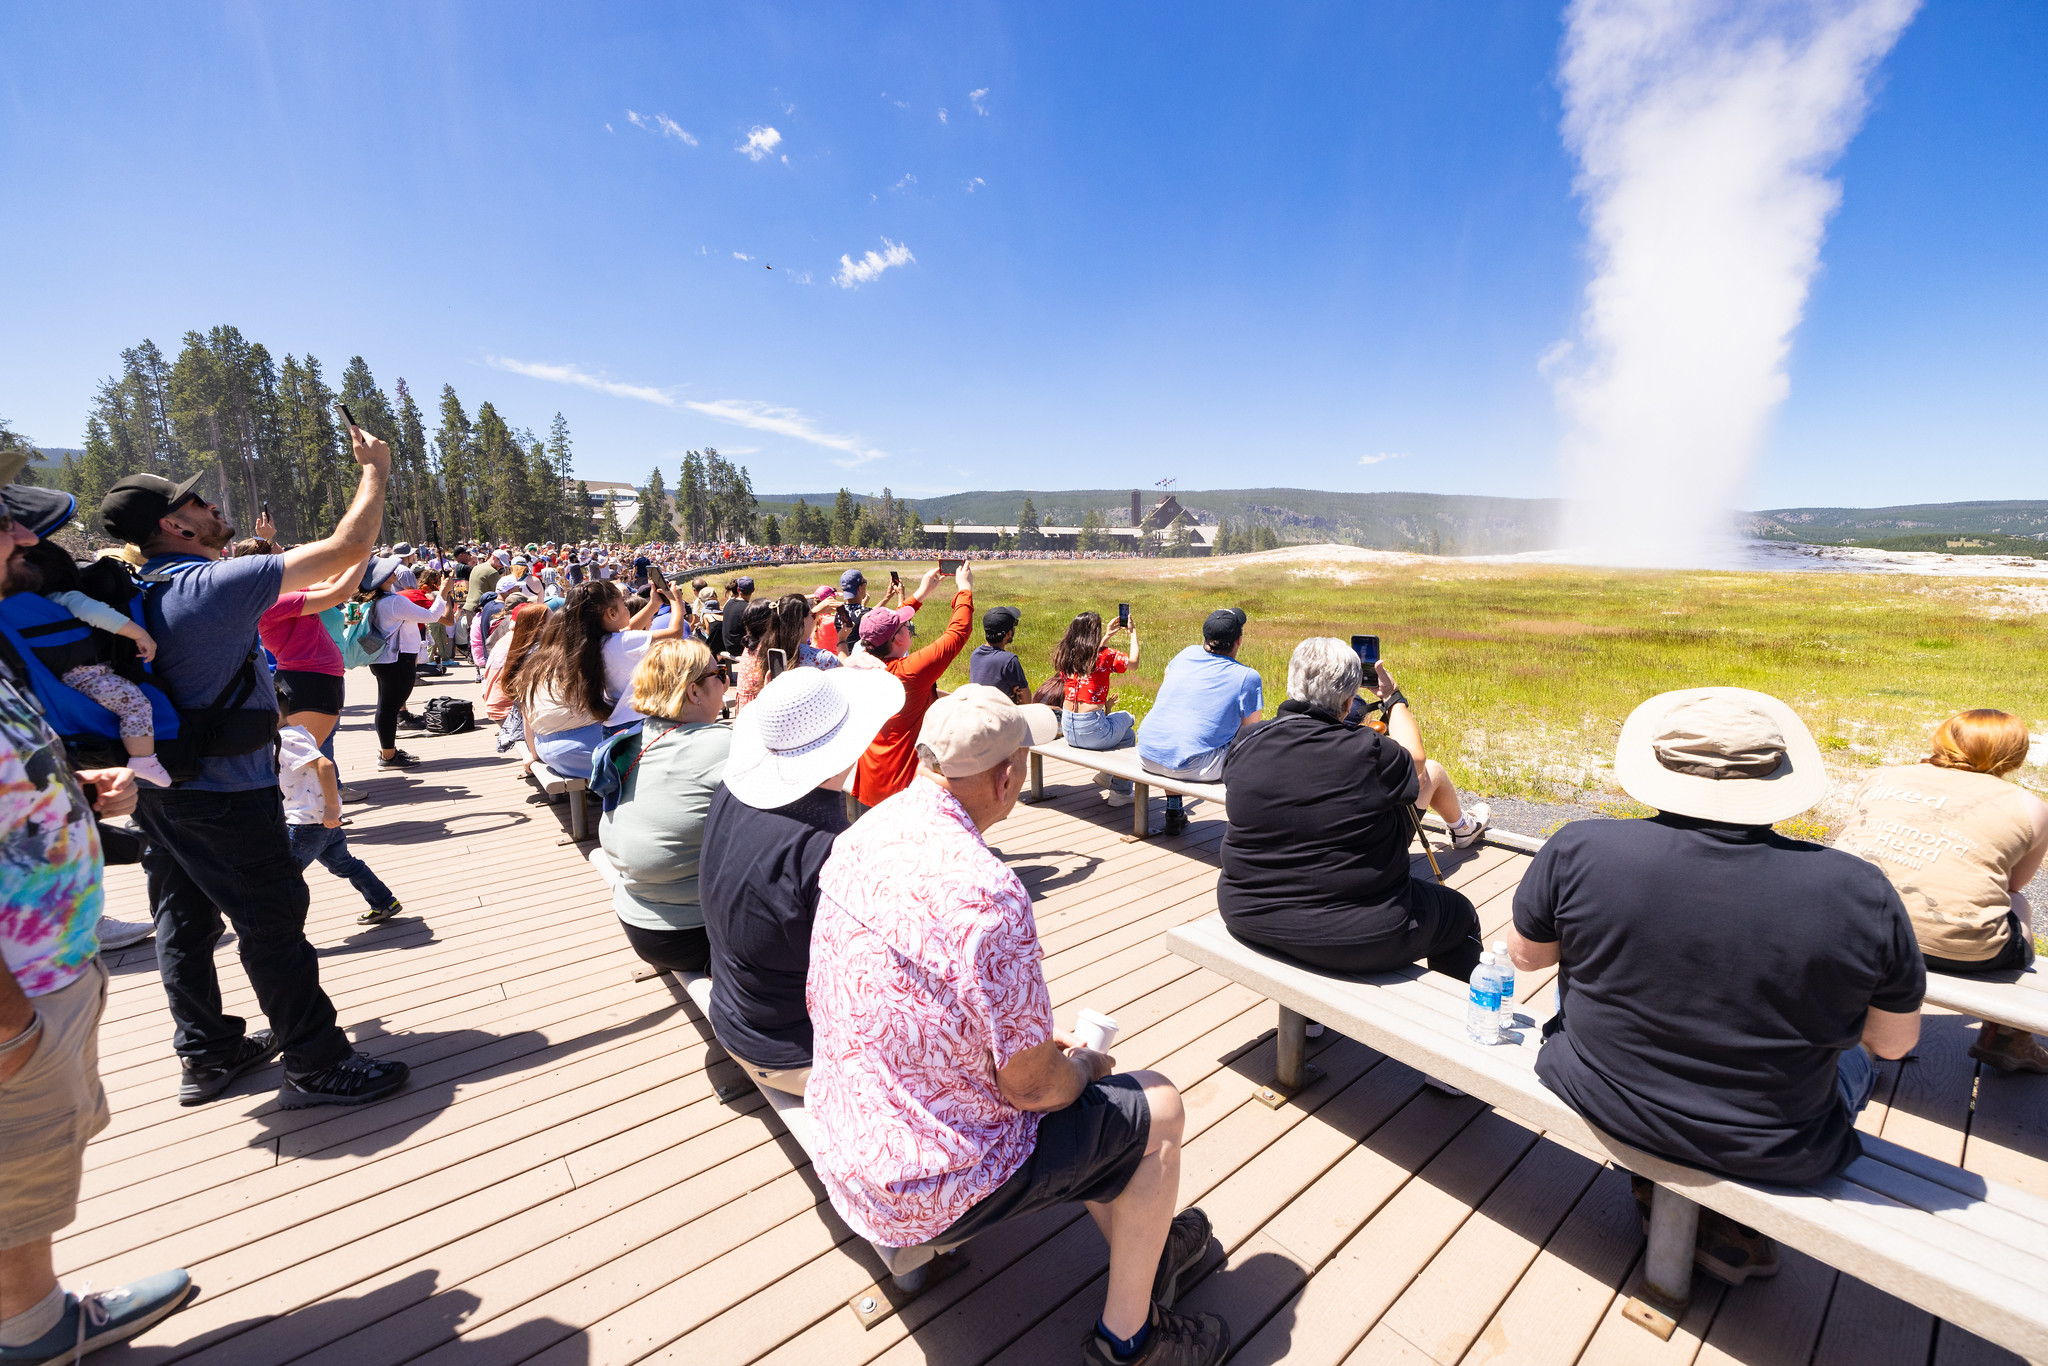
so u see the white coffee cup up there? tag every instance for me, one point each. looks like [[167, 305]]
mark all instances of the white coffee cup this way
[[1095, 1030]]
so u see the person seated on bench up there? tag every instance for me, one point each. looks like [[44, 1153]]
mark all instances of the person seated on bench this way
[[560, 683], [653, 834], [1959, 842], [1722, 986], [1084, 663], [944, 1100], [993, 664], [1206, 698], [1315, 860], [766, 838]]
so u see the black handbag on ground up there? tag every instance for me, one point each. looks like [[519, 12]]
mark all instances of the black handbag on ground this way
[[448, 716]]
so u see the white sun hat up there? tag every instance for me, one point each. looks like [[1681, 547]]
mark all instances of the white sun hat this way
[[805, 726], [1720, 754]]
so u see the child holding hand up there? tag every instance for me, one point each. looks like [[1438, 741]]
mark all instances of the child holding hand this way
[[312, 812]]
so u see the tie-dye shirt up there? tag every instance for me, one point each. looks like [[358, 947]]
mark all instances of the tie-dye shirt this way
[[50, 866]]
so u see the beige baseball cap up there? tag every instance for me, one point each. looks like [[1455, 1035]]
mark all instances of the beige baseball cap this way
[[974, 728]]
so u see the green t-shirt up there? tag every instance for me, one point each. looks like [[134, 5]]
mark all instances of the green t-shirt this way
[[654, 835], [482, 580]]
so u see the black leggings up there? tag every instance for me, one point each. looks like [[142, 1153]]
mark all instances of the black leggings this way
[[1443, 930], [394, 685], [670, 950]]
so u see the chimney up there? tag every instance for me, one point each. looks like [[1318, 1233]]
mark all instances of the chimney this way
[[1136, 516]]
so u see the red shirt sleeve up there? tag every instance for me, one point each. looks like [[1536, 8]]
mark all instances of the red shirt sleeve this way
[[925, 666], [1112, 661]]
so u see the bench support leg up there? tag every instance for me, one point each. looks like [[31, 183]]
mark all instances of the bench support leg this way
[[1294, 1071], [1667, 1265], [1141, 813], [885, 1297], [579, 816], [1037, 777]]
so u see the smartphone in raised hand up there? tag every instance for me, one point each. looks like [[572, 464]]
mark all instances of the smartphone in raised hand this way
[[777, 662], [346, 415], [657, 578], [1123, 615], [895, 579], [1367, 648], [948, 568]]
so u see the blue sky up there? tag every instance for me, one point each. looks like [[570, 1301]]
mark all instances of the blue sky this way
[[1237, 245]]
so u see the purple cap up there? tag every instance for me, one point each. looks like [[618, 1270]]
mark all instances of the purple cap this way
[[879, 626]]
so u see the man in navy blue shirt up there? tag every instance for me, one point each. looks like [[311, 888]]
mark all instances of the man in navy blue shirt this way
[[216, 842]]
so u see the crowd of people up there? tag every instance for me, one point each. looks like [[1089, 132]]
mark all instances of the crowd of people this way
[[790, 803]]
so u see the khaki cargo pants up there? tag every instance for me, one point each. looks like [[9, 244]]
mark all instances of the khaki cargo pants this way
[[50, 1110]]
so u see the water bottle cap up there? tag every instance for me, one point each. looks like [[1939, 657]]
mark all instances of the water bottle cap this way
[[1486, 960], [1500, 948]]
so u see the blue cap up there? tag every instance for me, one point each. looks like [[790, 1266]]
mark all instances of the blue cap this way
[[851, 580]]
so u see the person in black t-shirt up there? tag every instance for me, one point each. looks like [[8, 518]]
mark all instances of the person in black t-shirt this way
[[994, 664], [1315, 862], [766, 836], [738, 594], [1721, 987]]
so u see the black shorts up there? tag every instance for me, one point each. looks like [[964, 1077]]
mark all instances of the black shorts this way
[[300, 690], [2017, 954], [1088, 1151]]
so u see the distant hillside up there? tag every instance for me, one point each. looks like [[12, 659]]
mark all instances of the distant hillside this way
[[1450, 524], [1861, 526]]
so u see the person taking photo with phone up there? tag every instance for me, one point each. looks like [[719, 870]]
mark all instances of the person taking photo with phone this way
[[885, 633], [1084, 660]]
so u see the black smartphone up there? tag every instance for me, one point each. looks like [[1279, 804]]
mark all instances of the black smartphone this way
[[656, 577], [346, 415], [777, 662], [948, 568], [1367, 648], [895, 579], [1123, 614], [266, 507]]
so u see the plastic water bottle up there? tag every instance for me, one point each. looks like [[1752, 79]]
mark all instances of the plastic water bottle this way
[[1482, 1011], [1506, 965]]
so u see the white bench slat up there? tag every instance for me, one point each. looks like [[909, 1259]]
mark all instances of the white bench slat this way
[[1951, 1267], [1124, 763]]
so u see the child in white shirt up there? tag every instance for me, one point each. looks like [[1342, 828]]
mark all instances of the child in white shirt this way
[[312, 815]]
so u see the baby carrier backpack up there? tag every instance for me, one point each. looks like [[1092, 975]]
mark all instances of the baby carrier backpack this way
[[45, 642]]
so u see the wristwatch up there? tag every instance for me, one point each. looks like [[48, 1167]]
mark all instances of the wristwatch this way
[[1394, 699]]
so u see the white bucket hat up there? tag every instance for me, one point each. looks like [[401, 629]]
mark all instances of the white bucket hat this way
[[1720, 754], [804, 727]]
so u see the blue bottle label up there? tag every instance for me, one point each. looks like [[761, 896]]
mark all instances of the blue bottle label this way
[[1484, 999]]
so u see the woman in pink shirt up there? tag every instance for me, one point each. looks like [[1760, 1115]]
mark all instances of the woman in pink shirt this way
[[309, 668]]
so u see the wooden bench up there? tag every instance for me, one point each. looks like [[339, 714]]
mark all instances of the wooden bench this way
[[559, 785], [1938, 1237], [912, 1270], [1120, 763]]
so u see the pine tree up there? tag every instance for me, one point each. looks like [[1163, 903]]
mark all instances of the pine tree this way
[[452, 455], [421, 492], [842, 518], [1028, 535], [608, 529], [952, 536], [1090, 537], [582, 523], [691, 506], [652, 522], [571, 519], [771, 530]]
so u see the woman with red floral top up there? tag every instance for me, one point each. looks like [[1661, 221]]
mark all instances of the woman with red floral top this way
[[1084, 664]]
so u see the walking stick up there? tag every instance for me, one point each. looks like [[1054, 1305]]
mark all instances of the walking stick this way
[[1420, 834]]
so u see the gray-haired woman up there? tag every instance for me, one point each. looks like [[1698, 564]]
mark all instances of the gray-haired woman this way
[[1315, 862]]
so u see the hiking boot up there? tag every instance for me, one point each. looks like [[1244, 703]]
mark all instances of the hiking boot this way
[[1476, 816], [1187, 1243], [2008, 1050], [1174, 1340], [100, 1319], [378, 914], [202, 1081], [1176, 821], [121, 934], [1733, 1253], [357, 1079], [399, 759]]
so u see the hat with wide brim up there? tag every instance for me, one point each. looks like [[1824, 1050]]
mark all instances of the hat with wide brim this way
[[377, 572], [1707, 753], [804, 727]]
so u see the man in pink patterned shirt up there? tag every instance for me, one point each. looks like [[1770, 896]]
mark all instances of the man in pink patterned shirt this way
[[945, 1101]]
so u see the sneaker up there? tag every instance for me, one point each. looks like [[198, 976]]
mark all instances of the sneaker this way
[[1733, 1253], [1116, 798], [1476, 817], [1176, 821], [95, 1320], [202, 1081], [120, 934], [411, 721], [1187, 1243], [351, 795], [357, 1079], [1175, 1340], [377, 914], [399, 759], [2004, 1050]]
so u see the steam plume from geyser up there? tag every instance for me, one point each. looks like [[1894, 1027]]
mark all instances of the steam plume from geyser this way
[[1704, 130]]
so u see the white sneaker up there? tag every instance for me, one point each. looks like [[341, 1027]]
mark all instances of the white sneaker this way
[[1115, 798], [1477, 815], [120, 934]]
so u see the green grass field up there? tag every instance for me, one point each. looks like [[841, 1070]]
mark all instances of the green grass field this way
[[1522, 674]]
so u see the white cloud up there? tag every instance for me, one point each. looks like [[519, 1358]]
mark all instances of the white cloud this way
[[802, 277], [607, 128], [741, 256], [670, 128], [942, 116], [852, 274], [760, 142], [570, 374], [1383, 455], [974, 98], [636, 120], [763, 417], [908, 179], [975, 184]]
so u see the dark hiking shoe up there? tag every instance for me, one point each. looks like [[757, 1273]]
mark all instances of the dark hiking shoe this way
[[1175, 1340], [1187, 1243], [103, 1318], [399, 759], [378, 914], [202, 1081], [357, 1079], [2002, 1049], [1733, 1253], [1176, 821]]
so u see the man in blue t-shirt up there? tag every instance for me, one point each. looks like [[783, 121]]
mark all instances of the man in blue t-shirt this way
[[216, 842], [1204, 700]]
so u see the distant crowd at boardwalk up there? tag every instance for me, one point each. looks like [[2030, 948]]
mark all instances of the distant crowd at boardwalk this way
[[738, 554]]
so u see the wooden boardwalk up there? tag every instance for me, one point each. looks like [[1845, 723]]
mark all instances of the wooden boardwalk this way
[[562, 1185]]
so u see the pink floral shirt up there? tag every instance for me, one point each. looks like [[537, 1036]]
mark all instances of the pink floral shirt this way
[[925, 978]]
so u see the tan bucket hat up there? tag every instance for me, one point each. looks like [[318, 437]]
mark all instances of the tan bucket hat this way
[[1720, 754]]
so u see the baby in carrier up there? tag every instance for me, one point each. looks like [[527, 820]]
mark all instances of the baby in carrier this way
[[93, 673]]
